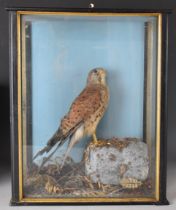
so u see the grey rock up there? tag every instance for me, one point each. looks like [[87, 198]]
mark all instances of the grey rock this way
[[112, 160]]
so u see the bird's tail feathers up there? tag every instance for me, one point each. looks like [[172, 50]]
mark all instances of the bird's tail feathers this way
[[57, 137]]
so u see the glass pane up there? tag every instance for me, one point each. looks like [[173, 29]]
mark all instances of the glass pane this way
[[58, 54]]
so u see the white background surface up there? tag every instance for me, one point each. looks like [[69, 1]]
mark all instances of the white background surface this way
[[5, 195]]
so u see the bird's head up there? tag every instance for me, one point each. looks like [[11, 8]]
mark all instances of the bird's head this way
[[97, 76]]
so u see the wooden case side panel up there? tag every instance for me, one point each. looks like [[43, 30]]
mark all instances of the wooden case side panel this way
[[13, 106], [163, 130]]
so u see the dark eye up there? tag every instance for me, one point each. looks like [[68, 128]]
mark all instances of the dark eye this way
[[95, 71]]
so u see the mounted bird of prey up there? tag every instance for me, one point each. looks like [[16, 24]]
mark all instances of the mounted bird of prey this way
[[84, 114]]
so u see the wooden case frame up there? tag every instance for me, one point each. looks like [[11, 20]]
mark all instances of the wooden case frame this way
[[16, 109]]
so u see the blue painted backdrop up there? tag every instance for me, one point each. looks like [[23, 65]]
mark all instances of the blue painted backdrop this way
[[64, 49]]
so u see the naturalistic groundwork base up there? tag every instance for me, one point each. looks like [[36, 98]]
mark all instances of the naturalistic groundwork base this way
[[111, 168]]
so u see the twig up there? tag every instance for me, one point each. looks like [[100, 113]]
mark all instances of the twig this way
[[73, 170]]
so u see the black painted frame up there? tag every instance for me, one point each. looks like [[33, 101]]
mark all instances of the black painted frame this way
[[14, 106]]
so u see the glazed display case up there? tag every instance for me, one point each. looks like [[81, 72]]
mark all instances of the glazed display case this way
[[88, 105]]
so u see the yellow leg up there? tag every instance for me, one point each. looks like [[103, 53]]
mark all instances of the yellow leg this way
[[95, 141]]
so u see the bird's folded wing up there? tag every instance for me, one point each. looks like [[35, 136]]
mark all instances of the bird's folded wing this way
[[82, 108]]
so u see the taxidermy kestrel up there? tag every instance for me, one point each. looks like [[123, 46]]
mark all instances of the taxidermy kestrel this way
[[84, 115]]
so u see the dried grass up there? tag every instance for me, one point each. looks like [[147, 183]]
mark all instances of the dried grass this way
[[71, 181]]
